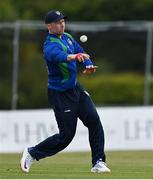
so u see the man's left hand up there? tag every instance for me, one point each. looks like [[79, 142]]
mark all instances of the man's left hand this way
[[90, 69]]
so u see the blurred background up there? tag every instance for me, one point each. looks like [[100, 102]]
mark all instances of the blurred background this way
[[119, 42]]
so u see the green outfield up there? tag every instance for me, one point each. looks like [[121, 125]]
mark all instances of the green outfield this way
[[124, 164]]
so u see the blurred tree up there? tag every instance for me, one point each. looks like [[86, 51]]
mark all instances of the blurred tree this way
[[127, 10], [80, 10], [7, 10]]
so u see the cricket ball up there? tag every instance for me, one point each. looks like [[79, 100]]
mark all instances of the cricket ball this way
[[83, 38]]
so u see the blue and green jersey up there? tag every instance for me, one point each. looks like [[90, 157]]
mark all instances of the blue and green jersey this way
[[62, 74]]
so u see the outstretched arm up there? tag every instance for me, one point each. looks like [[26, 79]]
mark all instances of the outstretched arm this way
[[79, 57], [86, 62]]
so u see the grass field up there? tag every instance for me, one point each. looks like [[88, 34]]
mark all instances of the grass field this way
[[124, 164]]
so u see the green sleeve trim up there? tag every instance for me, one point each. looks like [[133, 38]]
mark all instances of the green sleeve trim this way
[[62, 66], [58, 41], [69, 35], [64, 70]]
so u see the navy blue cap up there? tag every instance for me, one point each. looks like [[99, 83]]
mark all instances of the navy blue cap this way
[[54, 16]]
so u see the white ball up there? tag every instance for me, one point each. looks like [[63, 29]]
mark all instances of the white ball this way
[[83, 38]]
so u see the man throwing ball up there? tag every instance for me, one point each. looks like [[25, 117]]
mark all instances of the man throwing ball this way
[[68, 98]]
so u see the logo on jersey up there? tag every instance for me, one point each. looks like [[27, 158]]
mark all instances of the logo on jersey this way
[[69, 41]]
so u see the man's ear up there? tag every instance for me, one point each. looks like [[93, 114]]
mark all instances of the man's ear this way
[[49, 26]]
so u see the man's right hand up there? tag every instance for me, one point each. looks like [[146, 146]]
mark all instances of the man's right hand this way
[[90, 69], [79, 57]]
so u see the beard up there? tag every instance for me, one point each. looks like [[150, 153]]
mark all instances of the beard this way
[[58, 33]]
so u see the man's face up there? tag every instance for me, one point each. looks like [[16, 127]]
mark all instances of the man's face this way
[[57, 27]]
